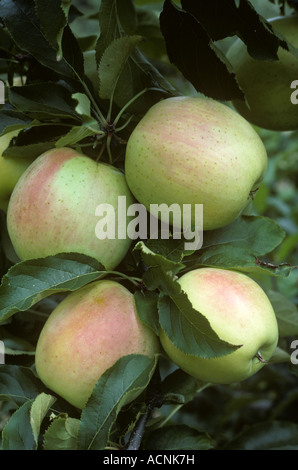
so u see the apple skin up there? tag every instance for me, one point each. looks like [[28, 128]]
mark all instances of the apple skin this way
[[240, 313], [267, 84], [193, 150], [52, 208], [11, 169], [85, 335]]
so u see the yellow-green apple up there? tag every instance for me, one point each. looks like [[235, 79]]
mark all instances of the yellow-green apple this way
[[53, 208], [195, 150], [11, 168], [240, 312], [267, 84], [85, 335]]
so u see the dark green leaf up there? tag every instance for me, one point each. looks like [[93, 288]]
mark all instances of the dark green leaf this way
[[178, 437], [120, 384], [22, 23], [17, 433], [190, 48], [112, 63], [267, 436], [239, 244], [28, 282], [18, 384], [180, 387], [44, 101], [11, 119], [62, 434], [146, 303], [53, 19], [255, 31], [188, 329]]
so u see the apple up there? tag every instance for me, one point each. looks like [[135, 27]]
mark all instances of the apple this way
[[195, 150], [239, 311], [53, 208], [85, 335], [11, 168], [267, 84]]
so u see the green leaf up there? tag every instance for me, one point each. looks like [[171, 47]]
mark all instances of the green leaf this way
[[267, 436], [180, 387], [190, 48], [177, 437], [28, 282], [18, 384], [38, 411], [146, 304], [117, 19], [17, 433], [237, 246], [188, 329], [44, 101], [23, 25], [62, 434], [286, 313], [120, 384], [78, 133], [11, 120], [255, 32], [53, 19], [160, 268], [112, 63]]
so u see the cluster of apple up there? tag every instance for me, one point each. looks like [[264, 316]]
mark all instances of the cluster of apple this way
[[185, 150]]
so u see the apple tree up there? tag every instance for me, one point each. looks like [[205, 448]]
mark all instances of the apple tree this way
[[82, 74]]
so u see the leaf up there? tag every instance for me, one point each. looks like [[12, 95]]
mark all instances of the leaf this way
[[117, 19], [17, 433], [78, 133], [44, 101], [112, 63], [188, 329], [267, 436], [180, 387], [159, 268], [237, 246], [177, 437], [120, 384], [146, 304], [19, 384], [23, 25], [286, 313], [62, 434], [30, 281], [11, 119], [190, 48], [255, 31], [53, 19], [38, 411]]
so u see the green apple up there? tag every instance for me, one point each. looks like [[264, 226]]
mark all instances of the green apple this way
[[239, 311], [267, 84], [11, 168], [53, 208], [85, 335], [195, 150]]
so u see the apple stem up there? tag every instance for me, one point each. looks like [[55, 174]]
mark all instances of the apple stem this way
[[260, 358]]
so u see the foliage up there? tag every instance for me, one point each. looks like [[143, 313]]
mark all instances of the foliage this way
[[143, 51]]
